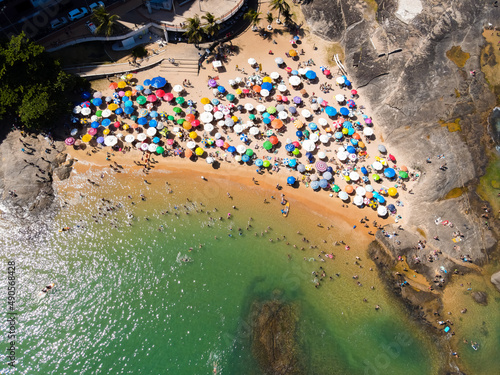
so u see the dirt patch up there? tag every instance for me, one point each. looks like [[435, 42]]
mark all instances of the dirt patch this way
[[490, 56], [453, 126], [458, 56], [455, 193]]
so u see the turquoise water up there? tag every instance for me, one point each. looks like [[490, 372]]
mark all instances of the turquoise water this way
[[126, 302]]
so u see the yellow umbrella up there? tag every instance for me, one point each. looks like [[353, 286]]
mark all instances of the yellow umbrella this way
[[128, 93], [345, 131], [122, 84], [126, 126], [298, 124], [309, 167], [267, 79], [239, 92], [179, 134], [393, 191], [199, 151], [292, 53], [129, 76], [86, 138], [234, 118], [205, 101], [105, 131], [187, 125], [193, 135], [113, 106]]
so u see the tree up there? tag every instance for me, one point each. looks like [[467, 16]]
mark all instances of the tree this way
[[212, 28], [280, 5], [193, 30], [270, 18], [253, 16], [105, 22], [33, 87]]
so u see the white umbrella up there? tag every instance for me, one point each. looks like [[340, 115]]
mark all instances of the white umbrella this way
[[353, 157], [274, 75], [229, 122], [176, 129], [278, 60], [86, 111], [314, 106], [294, 80], [377, 166], [151, 131], [252, 61], [215, 92], [264, 93], [191, 145], [141, 137], [322, 122], [208, 107], [210, 160], [324, 138], [342, 155], [308, 145], [354, 176], [138, 145], [314, 137], [282, 115], [288, 141], [232, 82], [360, 191], [381, 211], [144, 146], [368, 188], [152, 147], [321, 154], [261, 108], [302, 71], [129, 138], [314, 177], [254, 130], [218, 135], [306, 113], [106, 113], [241, 149], [237, 157], [218, 115], [343, 195], [221, 123], [208, 127], [74, 132], [206, 117], [77, 110], [358, 200], [340, 98], [160, 126], [238, 80], [110, 140], [178, 88], [238, 128], [282, 88], [94, 118], [367, 131], [340, 80], [248, 106]]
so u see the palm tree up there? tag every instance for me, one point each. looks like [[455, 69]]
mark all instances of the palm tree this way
[[212, 28], [270, 18], [253, 16], [281, 5], [193, 30], [105, 22]]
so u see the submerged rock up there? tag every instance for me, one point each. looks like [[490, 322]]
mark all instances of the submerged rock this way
[[480, 297], [495, 279]]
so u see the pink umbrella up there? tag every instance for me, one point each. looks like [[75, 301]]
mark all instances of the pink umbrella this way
[[368, 120], [245, 91], [195, 123], [324, 103], [151, 98], [168, 97], [326, 72], [121, 93], [219, 143], [160, 93], [70, 141], [354, 92], [117, 124], [296, 144], [170, 142], [92, 131], [284, 99]]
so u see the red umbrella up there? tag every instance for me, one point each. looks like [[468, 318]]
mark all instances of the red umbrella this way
[[326, 72], [195, 122], [117, 124], [168, 97], [392, 157], [354, 92], [296, 144], [151, 98], [170, 142], [273, 139], [113, 85], [160, 93]]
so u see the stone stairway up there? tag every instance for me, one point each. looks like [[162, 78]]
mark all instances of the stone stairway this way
[[181, 66]]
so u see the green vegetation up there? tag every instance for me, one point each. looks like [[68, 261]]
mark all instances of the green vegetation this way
[[270, 18], [139, 52], [105, 22], [489, 184], [33, 87], [458, 56], [253, 17], [281, 6], [193, 30], [212, 28]]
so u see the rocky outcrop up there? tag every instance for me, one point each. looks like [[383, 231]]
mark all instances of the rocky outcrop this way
[[480, 297], [495, 280]]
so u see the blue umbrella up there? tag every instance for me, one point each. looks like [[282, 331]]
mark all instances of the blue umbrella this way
[[156, 140], [100, 140], [295, 72], [116, 96], [299, 134], [315, 185], [215, 101], [347, 83], [266, 115], [327, 176], [329, 169], [290, 180], [292, 163], [376, 195], [296, 37], [351, 131], [153, 123], [95, 125], [221, 89], [119, 111], [139, 87], [380, 199], [158, 82], [344, 111], [244, 138], [97, 101], [153, 114], [231, 149], [85, 95], [266, 120], [106, 122], [142, 121], [147, 82], [338, 135], [347, 124], [354, 142], [330, 111], [391, 207], [147, 91], [259, 162], [129, 110], [292, 109], [267, 86], [364, 171], [310, 74], [313, 126], [290, 147], [129, 103], [245, 158], [350, 149], [117, 101], [389, 172], [323, 183], [189, 102]]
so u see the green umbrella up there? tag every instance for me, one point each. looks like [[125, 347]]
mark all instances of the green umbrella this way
[[134, 118], [267, 145], [271, 110], [170, 117], [180, 121], [376, 177], [141, 99], [306, 133], [230, 97], [269, 133], [266, 163], [336, 188], [177, 110], [403, 174], [160, 150], [180, 100], [251, 116], [296, 151], [249, 152], [98, 113]]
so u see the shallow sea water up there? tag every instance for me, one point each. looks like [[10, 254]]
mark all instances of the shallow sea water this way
[[125, 302]]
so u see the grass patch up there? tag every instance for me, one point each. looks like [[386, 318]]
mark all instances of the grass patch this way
[[457, 93], [452, 126], [421, 232], [489, 184], [458, 56], [490, 56], [455, 193], [334, 49], [372, 4]]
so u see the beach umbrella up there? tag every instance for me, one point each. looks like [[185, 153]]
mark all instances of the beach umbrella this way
[[282, 88], [358, 200], [301, 168], [313, 126], [315, 185], [336, 188], [290, 180], [381, 211], [86, 111], [158, 82], [238, 128], [364, 171], [147, 82], [350, 149], [342, 155], [141, 100], [254, 130], [193, 135], [178, 88], [306, 113], [252, 61], [259, 162], [310, 75], [369, 188], [391, 208], [343, 195], [245, 158], [212, 83], [191, 145], [69, 141], [153, 123], [321, 166], [156, 140], [97, 102], [274, 140], [128, 103], [129, 138], [375, 176], [221, 89], [178, 100], [249, 106], [261, 108], [231, 149], [327, 176], [249, 152], [264, 93], [87, 138], [389, 172], [119, 111], [266, 163], [152, 98], [267, 145], [340, 98], [151, 131], [271, 110], [199, 151], [324, 138], [308, 145], [241, 149], [354, 176], [277, 123], [230, 97], [267, 86], [294, 80], [229, 122], [297, 99], [392, 191], [403, 174], [142, 120], [344, 111], [299, 134], [290, 147], [77, 109], [382, 149], [110, 140], [377, 166], [277, 60], [160, 150], [152, 147]]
